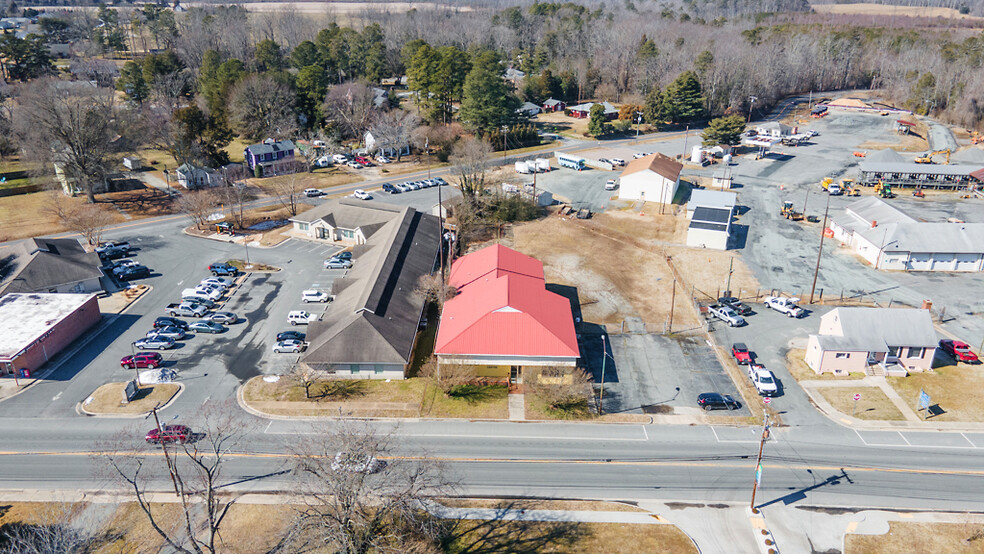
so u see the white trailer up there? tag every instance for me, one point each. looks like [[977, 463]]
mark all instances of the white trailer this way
[[522, 167], [542, 164]]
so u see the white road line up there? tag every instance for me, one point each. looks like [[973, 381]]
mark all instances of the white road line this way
[[646, 433], [860, 437], [903, 438], [715, 434], [968, 440], [206, 399], [435, 435], [771, 437], [56, 397]]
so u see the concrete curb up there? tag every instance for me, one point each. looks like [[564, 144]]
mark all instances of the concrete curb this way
[[80, 406], [185, 231]]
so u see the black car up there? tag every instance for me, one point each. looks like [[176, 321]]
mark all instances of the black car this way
[[716, 401], [162, 322], [347, 255], [736, 305], [223, 269], [134, 272], [113, 253], [390, 189], [290, 335]]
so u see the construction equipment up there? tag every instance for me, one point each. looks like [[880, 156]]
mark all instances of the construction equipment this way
[[918, 193], [860, 154], [976, 138], [928, 158], [884, 191], [788, 212], [850, 188]]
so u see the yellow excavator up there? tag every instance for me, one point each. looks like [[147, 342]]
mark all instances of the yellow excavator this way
[[928, 158], [850, 188]]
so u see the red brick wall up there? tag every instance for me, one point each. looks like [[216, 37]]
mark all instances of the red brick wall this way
[[60, 336]]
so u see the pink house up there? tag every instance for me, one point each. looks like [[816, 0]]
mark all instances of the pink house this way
[[877, 341]]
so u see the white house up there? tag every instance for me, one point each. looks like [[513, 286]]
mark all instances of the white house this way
[[380, 147], [529, 109], [710, 214], [773, 129], [345, 221], [192, 177], [888, 239], [654, 178]]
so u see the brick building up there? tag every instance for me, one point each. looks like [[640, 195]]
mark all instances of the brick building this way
[[35, 327]]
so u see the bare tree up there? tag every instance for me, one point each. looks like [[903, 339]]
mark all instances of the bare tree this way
[[434, 289], [198, 205], [289, 190], [88, 220], [72, 125], [196, 470], [562, 389], [354, 502], [352, 106], [303, 376], [236, 196], [62, 528], [394, 129], [260, 108], [472, 159], [448, 376]]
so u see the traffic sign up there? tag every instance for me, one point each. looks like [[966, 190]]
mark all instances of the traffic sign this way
[[857, 397], [766, 400]]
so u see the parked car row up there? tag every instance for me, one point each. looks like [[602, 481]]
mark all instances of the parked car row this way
[[408, 186], [616, 162], [342, 260], [116, 259]]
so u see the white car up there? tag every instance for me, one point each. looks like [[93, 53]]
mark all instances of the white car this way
[[611, 184], [362, 195], [763, 379], [300, 317], [291, 346], [354, 165], [314, 296], [617, 161], [382, 159], [212, 292], [219, 282], [340, 158]]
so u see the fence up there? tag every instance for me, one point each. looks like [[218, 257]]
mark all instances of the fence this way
[[22, 189]]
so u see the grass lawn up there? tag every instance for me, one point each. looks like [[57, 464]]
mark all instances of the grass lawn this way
[[947, 388], [873, 404], [414, 397], [578, 505], [802, 372], [318, 179], [919, 537], [537, 536], [107, 398], [236, 149]]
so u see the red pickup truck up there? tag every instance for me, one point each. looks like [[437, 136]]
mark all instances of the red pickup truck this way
[[741, 353]]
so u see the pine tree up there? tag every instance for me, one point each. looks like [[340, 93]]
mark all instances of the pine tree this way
[[683, 100]]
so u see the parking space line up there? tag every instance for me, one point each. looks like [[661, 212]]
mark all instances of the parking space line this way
[[972, 445], [715, 434], [864, 442], [905, 439]]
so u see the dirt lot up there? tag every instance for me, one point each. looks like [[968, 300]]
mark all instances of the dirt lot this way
[[873, 404], [919, 537], [640, 281], [891, 9], [947, 388]]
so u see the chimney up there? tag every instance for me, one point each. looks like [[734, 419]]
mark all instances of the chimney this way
[[874, 223], [927, 305]]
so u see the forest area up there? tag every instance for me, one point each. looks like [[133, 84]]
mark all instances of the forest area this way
[[193, 81]]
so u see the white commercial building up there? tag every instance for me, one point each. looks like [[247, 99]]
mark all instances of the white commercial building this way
[[654, 178], [889, 239], [710, 214]]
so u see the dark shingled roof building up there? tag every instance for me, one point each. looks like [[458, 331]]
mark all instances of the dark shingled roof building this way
[[49, 265]]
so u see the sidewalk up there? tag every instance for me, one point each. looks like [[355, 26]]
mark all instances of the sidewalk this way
[[912, 420]]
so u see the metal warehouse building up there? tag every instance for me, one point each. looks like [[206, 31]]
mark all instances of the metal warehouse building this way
[[910, 174]]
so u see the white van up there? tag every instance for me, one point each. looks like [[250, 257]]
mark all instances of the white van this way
[[301, 317]]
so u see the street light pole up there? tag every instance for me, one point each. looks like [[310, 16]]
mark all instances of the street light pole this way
[[751, 103], [604, 356], [167, 459], [823, 229]]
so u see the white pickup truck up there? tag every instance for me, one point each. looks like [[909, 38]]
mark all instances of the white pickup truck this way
[[785, 305], [726, 314], [763, 379]]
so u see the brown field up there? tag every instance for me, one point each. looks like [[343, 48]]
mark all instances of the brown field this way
[[919, 537], [873, 404], [888, 9], [557, 122], [947, 387], [24, 215], [640, 283], [107, 399]]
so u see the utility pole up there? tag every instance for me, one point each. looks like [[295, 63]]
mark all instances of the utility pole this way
[[805, 201], [167, 459], [505, 141], [686, 136], [758, 463], [672, 303], [604, 356], [638, 123], [813, 287], [731, 267], [751, 102]]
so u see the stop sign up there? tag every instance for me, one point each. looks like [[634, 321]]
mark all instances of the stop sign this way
[[857, 397], [766, 400]]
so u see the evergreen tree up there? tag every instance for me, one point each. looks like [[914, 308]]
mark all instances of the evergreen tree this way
[[683, 100], [487, 101], [132, 82], [597, 124], [724, 130], [268, 56], [653, 110]]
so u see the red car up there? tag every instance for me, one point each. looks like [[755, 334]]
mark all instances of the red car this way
[[143, 359], [741, 353], [169, 433], [959, 350]]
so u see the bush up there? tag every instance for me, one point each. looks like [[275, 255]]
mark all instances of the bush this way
[[564, 391], [515, 208]]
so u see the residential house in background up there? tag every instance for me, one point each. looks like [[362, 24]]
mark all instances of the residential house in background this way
[[503, 318], [514, 75], [877, 341], [653, 178], [191, 176], [49, 265], [370, 328], [583, 111], [552, 105], [267, 154], [887, 238], [375, 145], [528, 109], [773, 129]]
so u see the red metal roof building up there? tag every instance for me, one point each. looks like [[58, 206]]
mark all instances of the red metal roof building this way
[[503, 317]]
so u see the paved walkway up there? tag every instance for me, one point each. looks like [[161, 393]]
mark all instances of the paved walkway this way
[[517, 406]]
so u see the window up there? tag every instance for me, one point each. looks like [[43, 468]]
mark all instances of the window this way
[[893, 351], [379, 369], [347, 233], [916, 353], [355, 369], [842, 355], [303, 226]]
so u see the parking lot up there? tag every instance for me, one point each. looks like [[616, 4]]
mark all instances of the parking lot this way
[[582, 189]]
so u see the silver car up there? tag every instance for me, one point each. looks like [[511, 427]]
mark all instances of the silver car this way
[[222, 317], [174, 333], [154, 343], [290, 346]]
